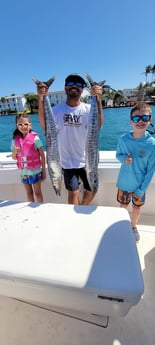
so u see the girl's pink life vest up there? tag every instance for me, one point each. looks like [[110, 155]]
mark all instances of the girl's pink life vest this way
[[28, 157]]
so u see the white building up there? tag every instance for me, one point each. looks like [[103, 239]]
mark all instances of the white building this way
[[57, 97], [19, 103], [12, 103], [130, 93]]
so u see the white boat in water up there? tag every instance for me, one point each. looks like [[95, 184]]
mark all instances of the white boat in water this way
[[74, 274]]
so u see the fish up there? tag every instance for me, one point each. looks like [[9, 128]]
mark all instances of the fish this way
[[52, 142], [92, 141]]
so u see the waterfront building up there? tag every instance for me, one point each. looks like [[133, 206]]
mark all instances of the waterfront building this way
[[129, 93], [134, 95], [18, 103], [12, 104], [57, 97]]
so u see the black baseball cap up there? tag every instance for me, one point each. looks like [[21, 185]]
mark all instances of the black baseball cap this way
[[75, 77]]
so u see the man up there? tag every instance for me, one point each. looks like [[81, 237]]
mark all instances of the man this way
[[72, 119]]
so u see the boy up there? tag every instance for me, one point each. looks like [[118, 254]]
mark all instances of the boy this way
[[136, 152]]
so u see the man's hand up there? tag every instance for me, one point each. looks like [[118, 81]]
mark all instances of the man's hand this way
[[96, 90], [42, 90]]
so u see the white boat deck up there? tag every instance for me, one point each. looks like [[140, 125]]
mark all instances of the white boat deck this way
[[26, 324]]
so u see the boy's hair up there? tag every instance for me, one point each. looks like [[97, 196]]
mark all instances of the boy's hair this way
[[141, 106], [21, 116]]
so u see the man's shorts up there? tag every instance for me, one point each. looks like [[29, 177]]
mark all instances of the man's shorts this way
[[31, 179], [72, 176], [125, 197]]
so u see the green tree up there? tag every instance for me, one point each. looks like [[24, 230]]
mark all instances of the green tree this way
[[32, 102], [3, 99]]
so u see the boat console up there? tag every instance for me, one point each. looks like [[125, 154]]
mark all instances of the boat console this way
[[82, 259]]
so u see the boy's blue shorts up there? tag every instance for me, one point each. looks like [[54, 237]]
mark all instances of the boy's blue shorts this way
[[31, 179]]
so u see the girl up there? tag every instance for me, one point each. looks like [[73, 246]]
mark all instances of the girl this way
[[27, 149]]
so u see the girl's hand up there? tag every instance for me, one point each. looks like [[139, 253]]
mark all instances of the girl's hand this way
[[43, 176], [16, 149]]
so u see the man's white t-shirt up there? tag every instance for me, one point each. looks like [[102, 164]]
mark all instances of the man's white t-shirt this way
[[72, 128]]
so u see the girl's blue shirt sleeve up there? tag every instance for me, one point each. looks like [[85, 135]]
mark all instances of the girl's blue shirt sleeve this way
[[37, 142]]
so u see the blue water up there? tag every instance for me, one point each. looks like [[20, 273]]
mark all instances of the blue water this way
[[116, 122]]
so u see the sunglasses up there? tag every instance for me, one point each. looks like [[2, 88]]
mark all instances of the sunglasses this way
[[137, 118], [23, 124], [77, 83]]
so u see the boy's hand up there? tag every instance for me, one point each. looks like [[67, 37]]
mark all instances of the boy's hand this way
[[128, 159]]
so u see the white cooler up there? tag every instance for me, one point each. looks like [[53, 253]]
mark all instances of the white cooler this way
[[78, 258]]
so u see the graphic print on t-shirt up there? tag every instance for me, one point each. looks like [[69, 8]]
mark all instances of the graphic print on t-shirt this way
[[72, 120]]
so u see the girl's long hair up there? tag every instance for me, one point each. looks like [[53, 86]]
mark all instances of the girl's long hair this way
[[20, 116]]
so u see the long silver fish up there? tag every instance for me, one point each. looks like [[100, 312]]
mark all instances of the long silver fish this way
[[92, 147], [52, 144]]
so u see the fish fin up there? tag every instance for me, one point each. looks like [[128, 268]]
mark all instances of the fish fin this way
[[101, 83], [91, 82], [36, 81], [48, 83]]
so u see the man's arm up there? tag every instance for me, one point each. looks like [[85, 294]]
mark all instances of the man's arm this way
[[42, 91]]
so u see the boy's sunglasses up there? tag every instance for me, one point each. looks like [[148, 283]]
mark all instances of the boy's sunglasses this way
[[137, 118], [23, 124], [77, 83]]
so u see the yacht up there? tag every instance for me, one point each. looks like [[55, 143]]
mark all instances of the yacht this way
[[75, 274]]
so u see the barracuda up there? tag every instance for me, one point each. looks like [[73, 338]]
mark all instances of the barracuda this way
[[52, 144], [92, 149]]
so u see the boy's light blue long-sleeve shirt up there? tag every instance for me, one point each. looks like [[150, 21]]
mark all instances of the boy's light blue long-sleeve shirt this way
[[135, 177]]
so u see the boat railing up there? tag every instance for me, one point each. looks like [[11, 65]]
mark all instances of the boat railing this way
[[105, 158], [7, 164]]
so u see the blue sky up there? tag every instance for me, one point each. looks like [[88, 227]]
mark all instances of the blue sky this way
[[110, 40]]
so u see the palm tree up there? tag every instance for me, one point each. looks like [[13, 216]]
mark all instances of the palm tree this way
[[141, 90], [148, 70], [153, 73]]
